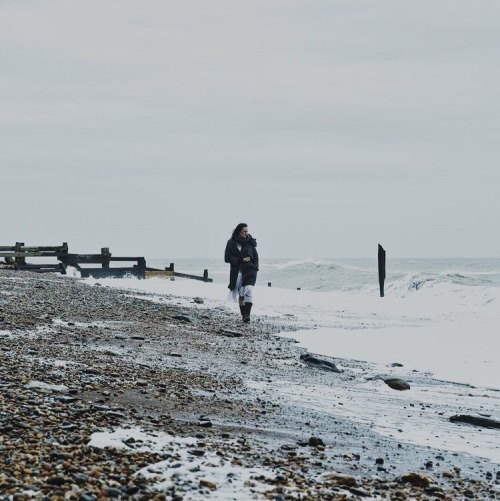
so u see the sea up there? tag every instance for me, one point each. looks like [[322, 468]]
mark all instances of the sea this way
[[350, 275], [437, 327]]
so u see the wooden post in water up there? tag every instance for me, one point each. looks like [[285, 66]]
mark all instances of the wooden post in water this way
[[19, 249], [381, 269], [105, 257]]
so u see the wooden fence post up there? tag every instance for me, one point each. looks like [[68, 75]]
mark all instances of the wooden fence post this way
[[381, 269]]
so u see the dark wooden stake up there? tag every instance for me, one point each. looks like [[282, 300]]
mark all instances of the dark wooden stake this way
[[381, 269]]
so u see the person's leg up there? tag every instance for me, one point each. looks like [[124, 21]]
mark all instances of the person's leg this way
[[248, 303], [241, 301], [241, 294]]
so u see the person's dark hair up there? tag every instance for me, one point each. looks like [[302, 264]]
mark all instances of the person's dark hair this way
[[238, 228]]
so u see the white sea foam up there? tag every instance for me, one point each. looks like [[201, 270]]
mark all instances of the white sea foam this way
[[228, 478]]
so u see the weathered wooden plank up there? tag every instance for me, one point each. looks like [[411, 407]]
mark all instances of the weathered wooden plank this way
[[193, 277], [158, 273], [30, 254]]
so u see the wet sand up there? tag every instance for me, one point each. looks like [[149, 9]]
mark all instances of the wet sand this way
[[84, 363]]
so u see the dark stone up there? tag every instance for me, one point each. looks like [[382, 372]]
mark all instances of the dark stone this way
[[397, 384], [56, 481], [379, 461], [116, 414], [475, 421], [198, 300], [66, 400], [80, 478], [186, 318], [315, 441], [87, 496], [313, 361], [359, 492], [173, 354], [112, 492], [230, 333], [205, 424], [197, 452], [139, 338], [69, 426], [396, 364], [416, 479]]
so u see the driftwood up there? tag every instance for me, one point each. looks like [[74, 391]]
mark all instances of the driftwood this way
[[475, 421]]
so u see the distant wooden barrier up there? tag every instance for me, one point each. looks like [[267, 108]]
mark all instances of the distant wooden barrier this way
[[104, 259], [170, 272], [15, 258]]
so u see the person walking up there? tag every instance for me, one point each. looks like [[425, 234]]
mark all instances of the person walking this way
[[241, 254]]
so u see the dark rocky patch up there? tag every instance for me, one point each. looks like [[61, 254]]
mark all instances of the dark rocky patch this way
[[397, 384], [475, 421], [231, 333], [186, 318], [318, 363]]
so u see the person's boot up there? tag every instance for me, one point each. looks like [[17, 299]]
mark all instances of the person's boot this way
[[248, 309], [242, 307]]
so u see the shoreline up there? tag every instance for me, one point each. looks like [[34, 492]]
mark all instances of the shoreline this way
[[170, 370]]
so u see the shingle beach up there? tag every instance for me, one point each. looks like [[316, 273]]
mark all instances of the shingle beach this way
[[107, 394]]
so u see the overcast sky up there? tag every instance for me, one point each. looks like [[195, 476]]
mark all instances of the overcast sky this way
[[154, 127]]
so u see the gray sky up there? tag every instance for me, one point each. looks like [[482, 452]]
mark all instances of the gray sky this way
[[155, 127]]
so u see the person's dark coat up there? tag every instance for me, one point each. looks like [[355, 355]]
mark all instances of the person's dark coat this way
[[234, 257]]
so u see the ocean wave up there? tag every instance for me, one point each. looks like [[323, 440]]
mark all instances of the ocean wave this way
[[297, 263], [410, 283], [417, 282]]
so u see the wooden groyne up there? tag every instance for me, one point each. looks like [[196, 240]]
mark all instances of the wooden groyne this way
[[170, 272], [15, 258]]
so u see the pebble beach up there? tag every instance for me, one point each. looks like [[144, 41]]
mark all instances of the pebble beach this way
[[105, 394]]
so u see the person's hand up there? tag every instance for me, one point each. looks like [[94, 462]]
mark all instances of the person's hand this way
[[246, 259]]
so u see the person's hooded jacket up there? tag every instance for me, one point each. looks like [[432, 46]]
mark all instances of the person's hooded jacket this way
[[234, 257]]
